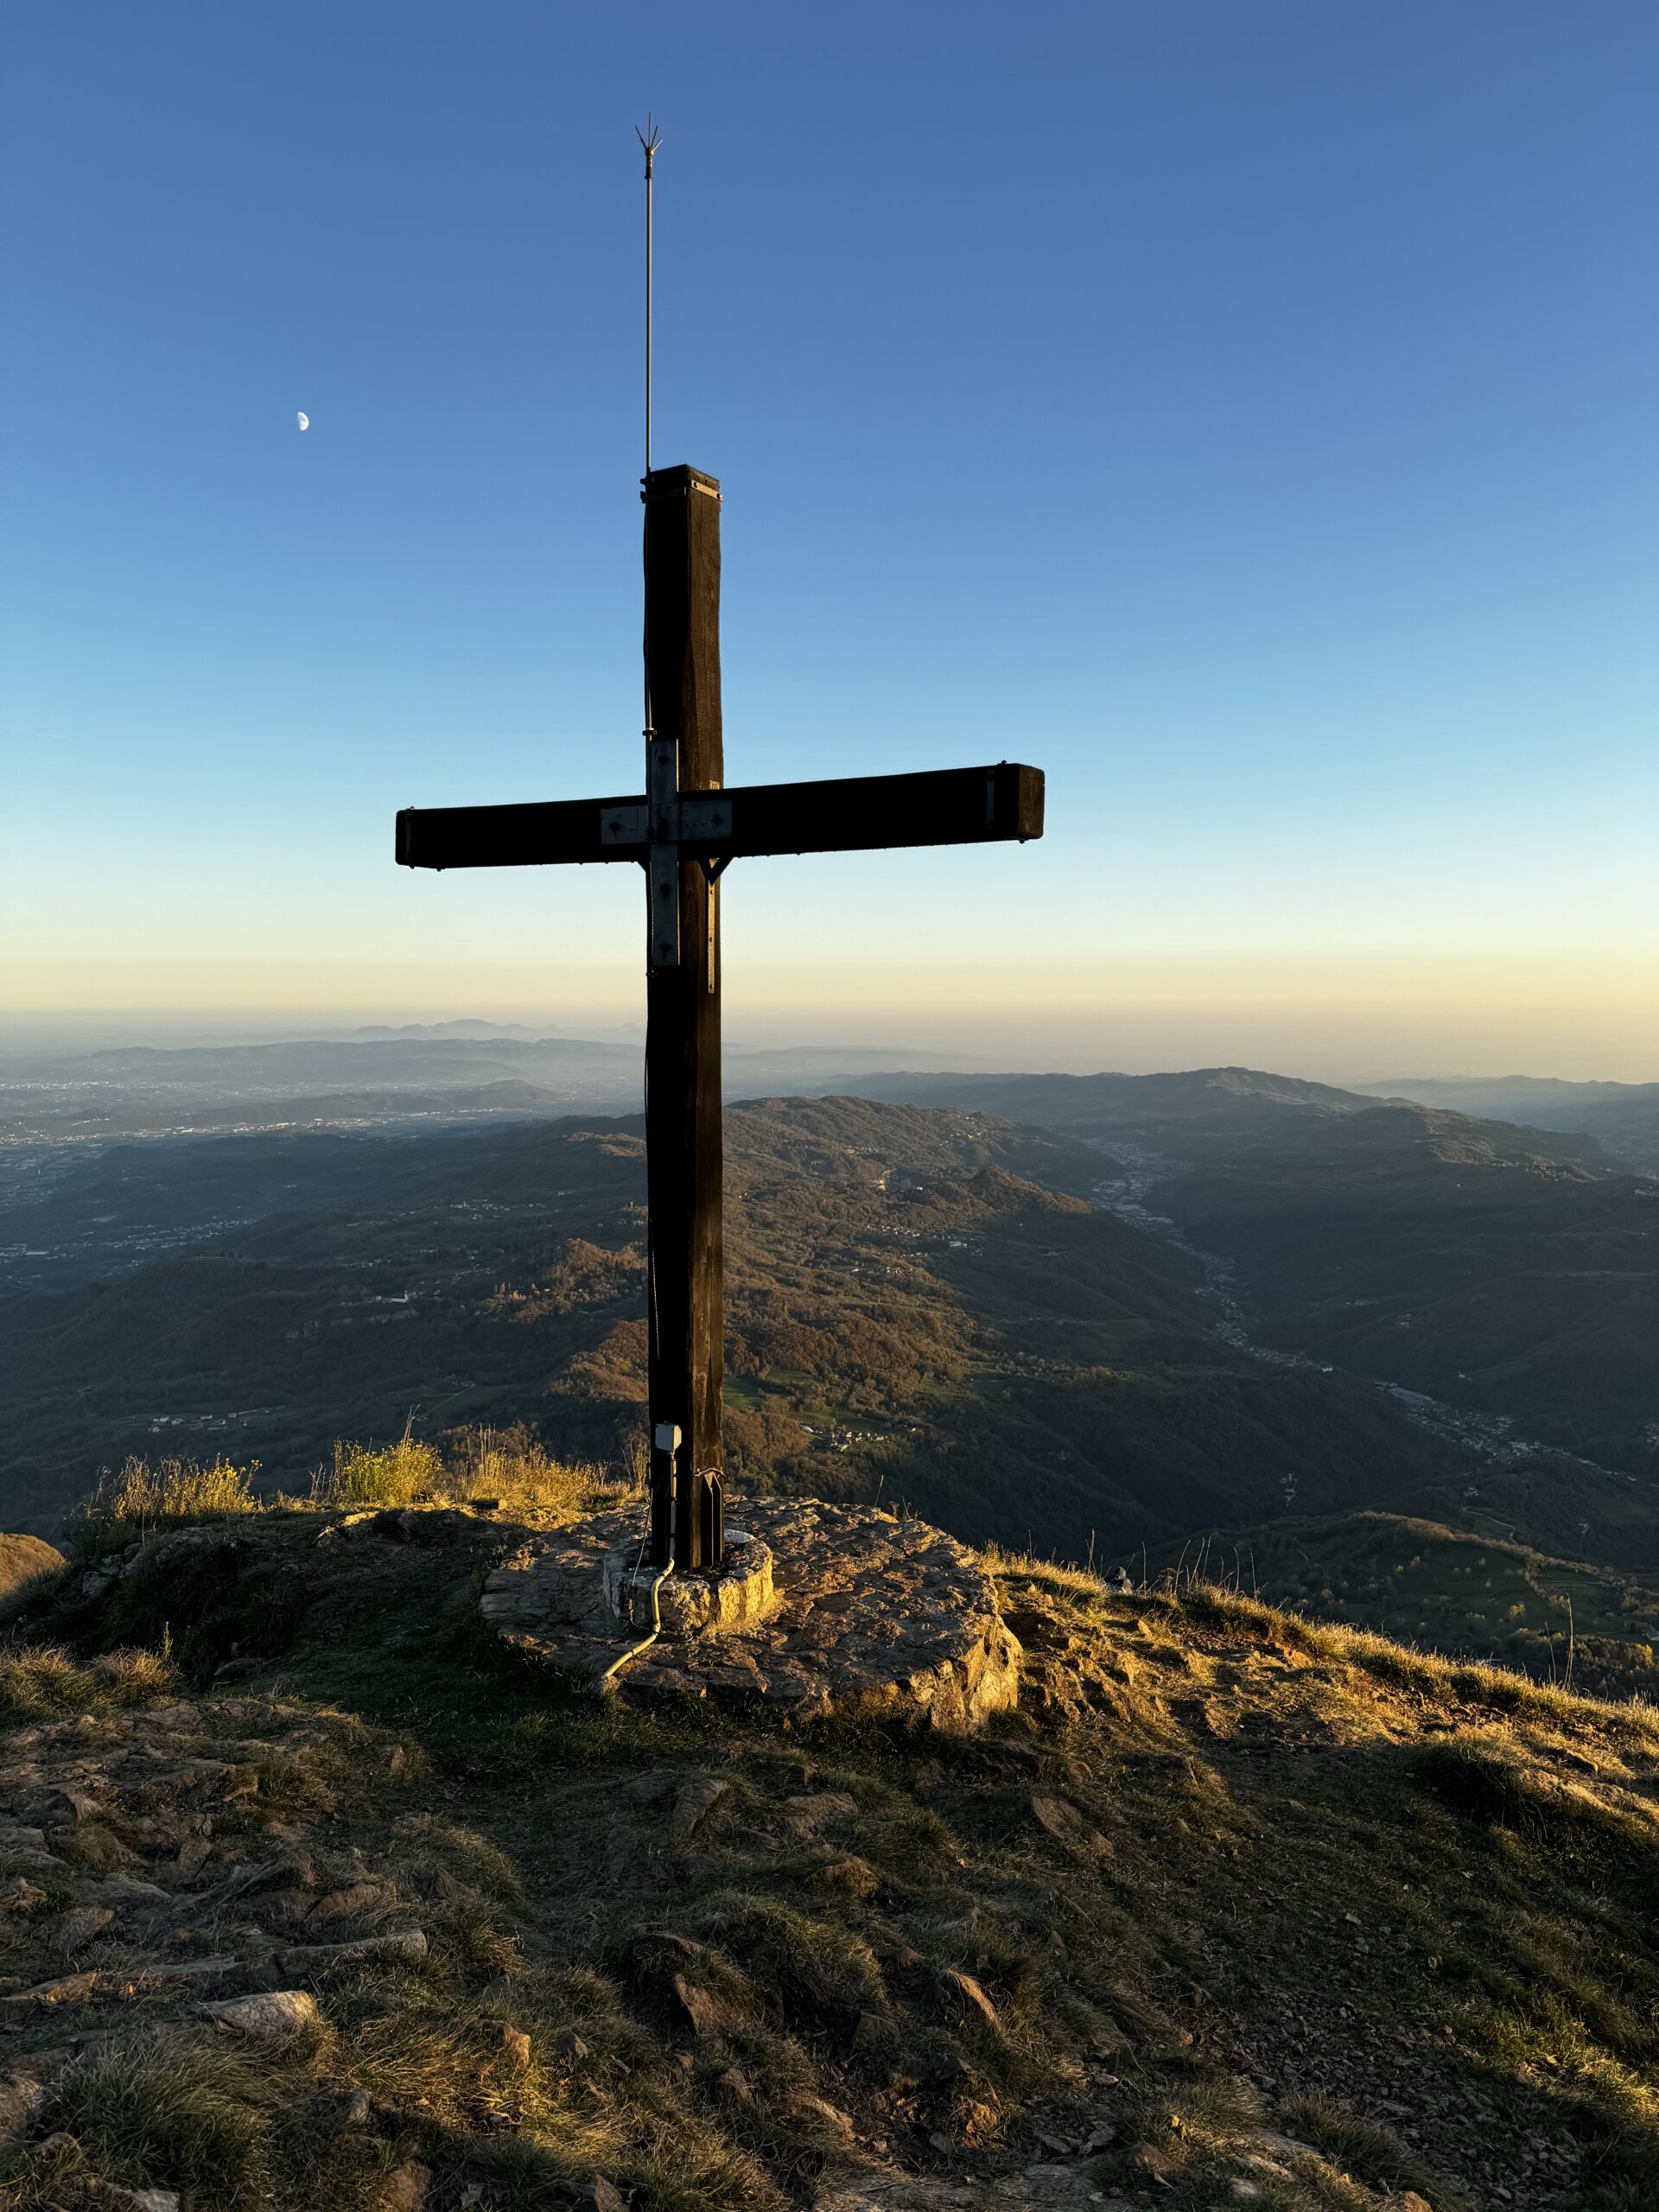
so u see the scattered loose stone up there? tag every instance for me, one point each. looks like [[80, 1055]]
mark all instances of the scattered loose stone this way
[[64, 1991], [808, 1814], [71, 1931], [516, 2043], [1151, 2162], [700, 2009], [1049, 2180], [67, 1808], [120, 1890], [341, 1904], [408, 1943], [651, 1787], [23, 2100], [405, 2190], [1059, 1818], [694, 1802], [188, 1969], [30, 1860], [273, 2012]]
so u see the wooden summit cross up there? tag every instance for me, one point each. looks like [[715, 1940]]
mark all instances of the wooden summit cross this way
[[682, 828]]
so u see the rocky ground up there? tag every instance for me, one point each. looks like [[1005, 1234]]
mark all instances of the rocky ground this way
[[867, 1613], [310, 1897]]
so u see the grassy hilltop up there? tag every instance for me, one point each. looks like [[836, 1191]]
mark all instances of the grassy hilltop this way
[[1237, 1908]]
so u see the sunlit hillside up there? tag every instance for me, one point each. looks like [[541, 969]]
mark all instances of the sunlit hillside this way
[[1235, 1908]]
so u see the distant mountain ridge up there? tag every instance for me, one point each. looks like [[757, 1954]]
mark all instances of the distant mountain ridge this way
[[455, 1070], [1623, 1117], [1220, 1109]]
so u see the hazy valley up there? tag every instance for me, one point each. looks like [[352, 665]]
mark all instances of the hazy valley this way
[[1108, 1312]]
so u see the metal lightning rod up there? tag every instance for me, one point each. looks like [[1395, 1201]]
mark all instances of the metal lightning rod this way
[[651, 139]]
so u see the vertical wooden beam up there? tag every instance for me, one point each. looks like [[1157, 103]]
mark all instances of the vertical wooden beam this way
[[682, 1112]]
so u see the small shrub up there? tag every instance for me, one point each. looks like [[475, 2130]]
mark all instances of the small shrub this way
[[126, 1508]]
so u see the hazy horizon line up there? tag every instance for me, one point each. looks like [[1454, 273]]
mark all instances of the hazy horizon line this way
[[87, 1029]]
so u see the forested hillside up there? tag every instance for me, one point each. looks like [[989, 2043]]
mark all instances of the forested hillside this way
[[924, 1303], [1430, 1249], [1512, 1272]]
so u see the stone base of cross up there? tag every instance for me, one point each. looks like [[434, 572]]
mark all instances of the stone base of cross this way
[[682, 829]]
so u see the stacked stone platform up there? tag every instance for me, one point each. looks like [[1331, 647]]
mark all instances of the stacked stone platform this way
[[865, 1613]]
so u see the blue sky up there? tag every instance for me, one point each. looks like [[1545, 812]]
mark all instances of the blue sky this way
[[1244, 412]]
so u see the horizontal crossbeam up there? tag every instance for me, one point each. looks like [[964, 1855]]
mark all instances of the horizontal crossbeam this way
[[841, 814]]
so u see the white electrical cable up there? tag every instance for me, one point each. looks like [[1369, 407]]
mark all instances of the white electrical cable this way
[[617, 1665]]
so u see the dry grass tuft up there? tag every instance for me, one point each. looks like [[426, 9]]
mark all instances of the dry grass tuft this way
[[177, 2113], [392, 1475], [821, 1974], [124, 1509], [1498, 1688], [38, 1681], [1363, 2148], [509, 1464]]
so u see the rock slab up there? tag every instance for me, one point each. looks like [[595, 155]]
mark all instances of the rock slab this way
[[872, 1614]]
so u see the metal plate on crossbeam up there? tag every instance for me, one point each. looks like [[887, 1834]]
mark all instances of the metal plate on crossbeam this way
[[705, 818]]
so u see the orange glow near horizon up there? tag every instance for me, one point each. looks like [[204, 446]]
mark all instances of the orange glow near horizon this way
[[1351, 1019]]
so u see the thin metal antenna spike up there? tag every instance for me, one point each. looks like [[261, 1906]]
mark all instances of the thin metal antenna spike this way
[[650, 138]]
